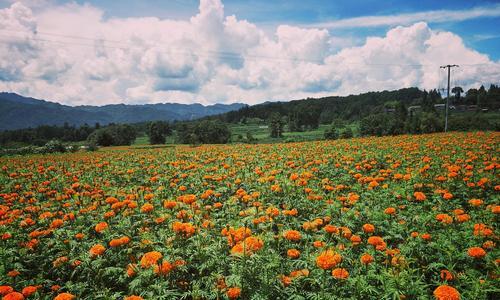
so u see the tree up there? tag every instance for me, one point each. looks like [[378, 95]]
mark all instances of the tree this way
[[276, 125], [206, 132], [114, 135], [331, 133], [157, 131], [458, 92], [346, 133]]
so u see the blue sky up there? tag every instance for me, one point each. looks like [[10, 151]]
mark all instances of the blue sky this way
[[482, 34], [224, 51]]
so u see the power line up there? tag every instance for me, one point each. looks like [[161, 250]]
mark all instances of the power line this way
[[204, 53]]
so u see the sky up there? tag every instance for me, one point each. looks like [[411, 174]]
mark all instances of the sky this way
[[101, 52]]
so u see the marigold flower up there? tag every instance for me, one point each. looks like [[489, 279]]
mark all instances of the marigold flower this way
[[446, 275], [419, 196], [148, 207], [65, 296], [133, 297], [366, 259], [328, 259], [447, 196], [355, 239], [340, 273], [368, 228], [444, 218], [475, 202], [187, 229], [150, 258], [293, 253], [390, 211], [426, 236], [476, 252], [164, 268], [331, 229], [5, 289], [119, 242], [445, 292], [13, 296], [249, 246], [15, 273], [29, 290], [97, 250], [377, 242], [101, 227], [292, 235], [233, 293]]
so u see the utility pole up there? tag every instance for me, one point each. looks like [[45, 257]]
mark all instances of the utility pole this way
[[448, 97]]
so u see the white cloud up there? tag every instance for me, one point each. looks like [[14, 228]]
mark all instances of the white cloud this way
[[71, 54], [435, 16]]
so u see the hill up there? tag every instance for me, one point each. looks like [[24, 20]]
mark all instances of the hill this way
[[18, 112]]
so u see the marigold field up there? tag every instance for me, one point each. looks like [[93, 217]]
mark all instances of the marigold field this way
[[406, 217]]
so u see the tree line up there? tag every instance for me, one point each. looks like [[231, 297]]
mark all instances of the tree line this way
[[408, 110]]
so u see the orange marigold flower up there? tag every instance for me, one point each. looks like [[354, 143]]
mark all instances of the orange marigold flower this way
[[426, 236], [340, 273], [366, 259], [13, 296], [233, 293], [249, 246], [133, 297], [119, 242], [444, 218], [293, 253], [169, 204], [476, 252], [131, 270], [355, 239], [97, 250], [390, 211], [65, 296], [15, 273], [331, 229], [489, 245], [447, 196], [377, 242], [475, 202], [5, 289], [445, 292], [318, 244], [148, 207], [186, 229], [328, 259], [446, 275], [368, 228], [292, 235], [419, 196], [164, 268], [101, 227], [150, 258], [29, 290]]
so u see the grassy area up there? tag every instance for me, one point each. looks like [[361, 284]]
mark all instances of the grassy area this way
[[260, 133]]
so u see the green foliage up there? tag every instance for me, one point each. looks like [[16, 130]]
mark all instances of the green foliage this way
[[203, 132], [113, 135], [157, 131], [276, 125]]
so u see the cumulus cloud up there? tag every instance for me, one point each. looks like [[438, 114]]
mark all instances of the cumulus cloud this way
[[71, 54]]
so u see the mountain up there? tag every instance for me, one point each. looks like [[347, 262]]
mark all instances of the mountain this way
[[18, 112]]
